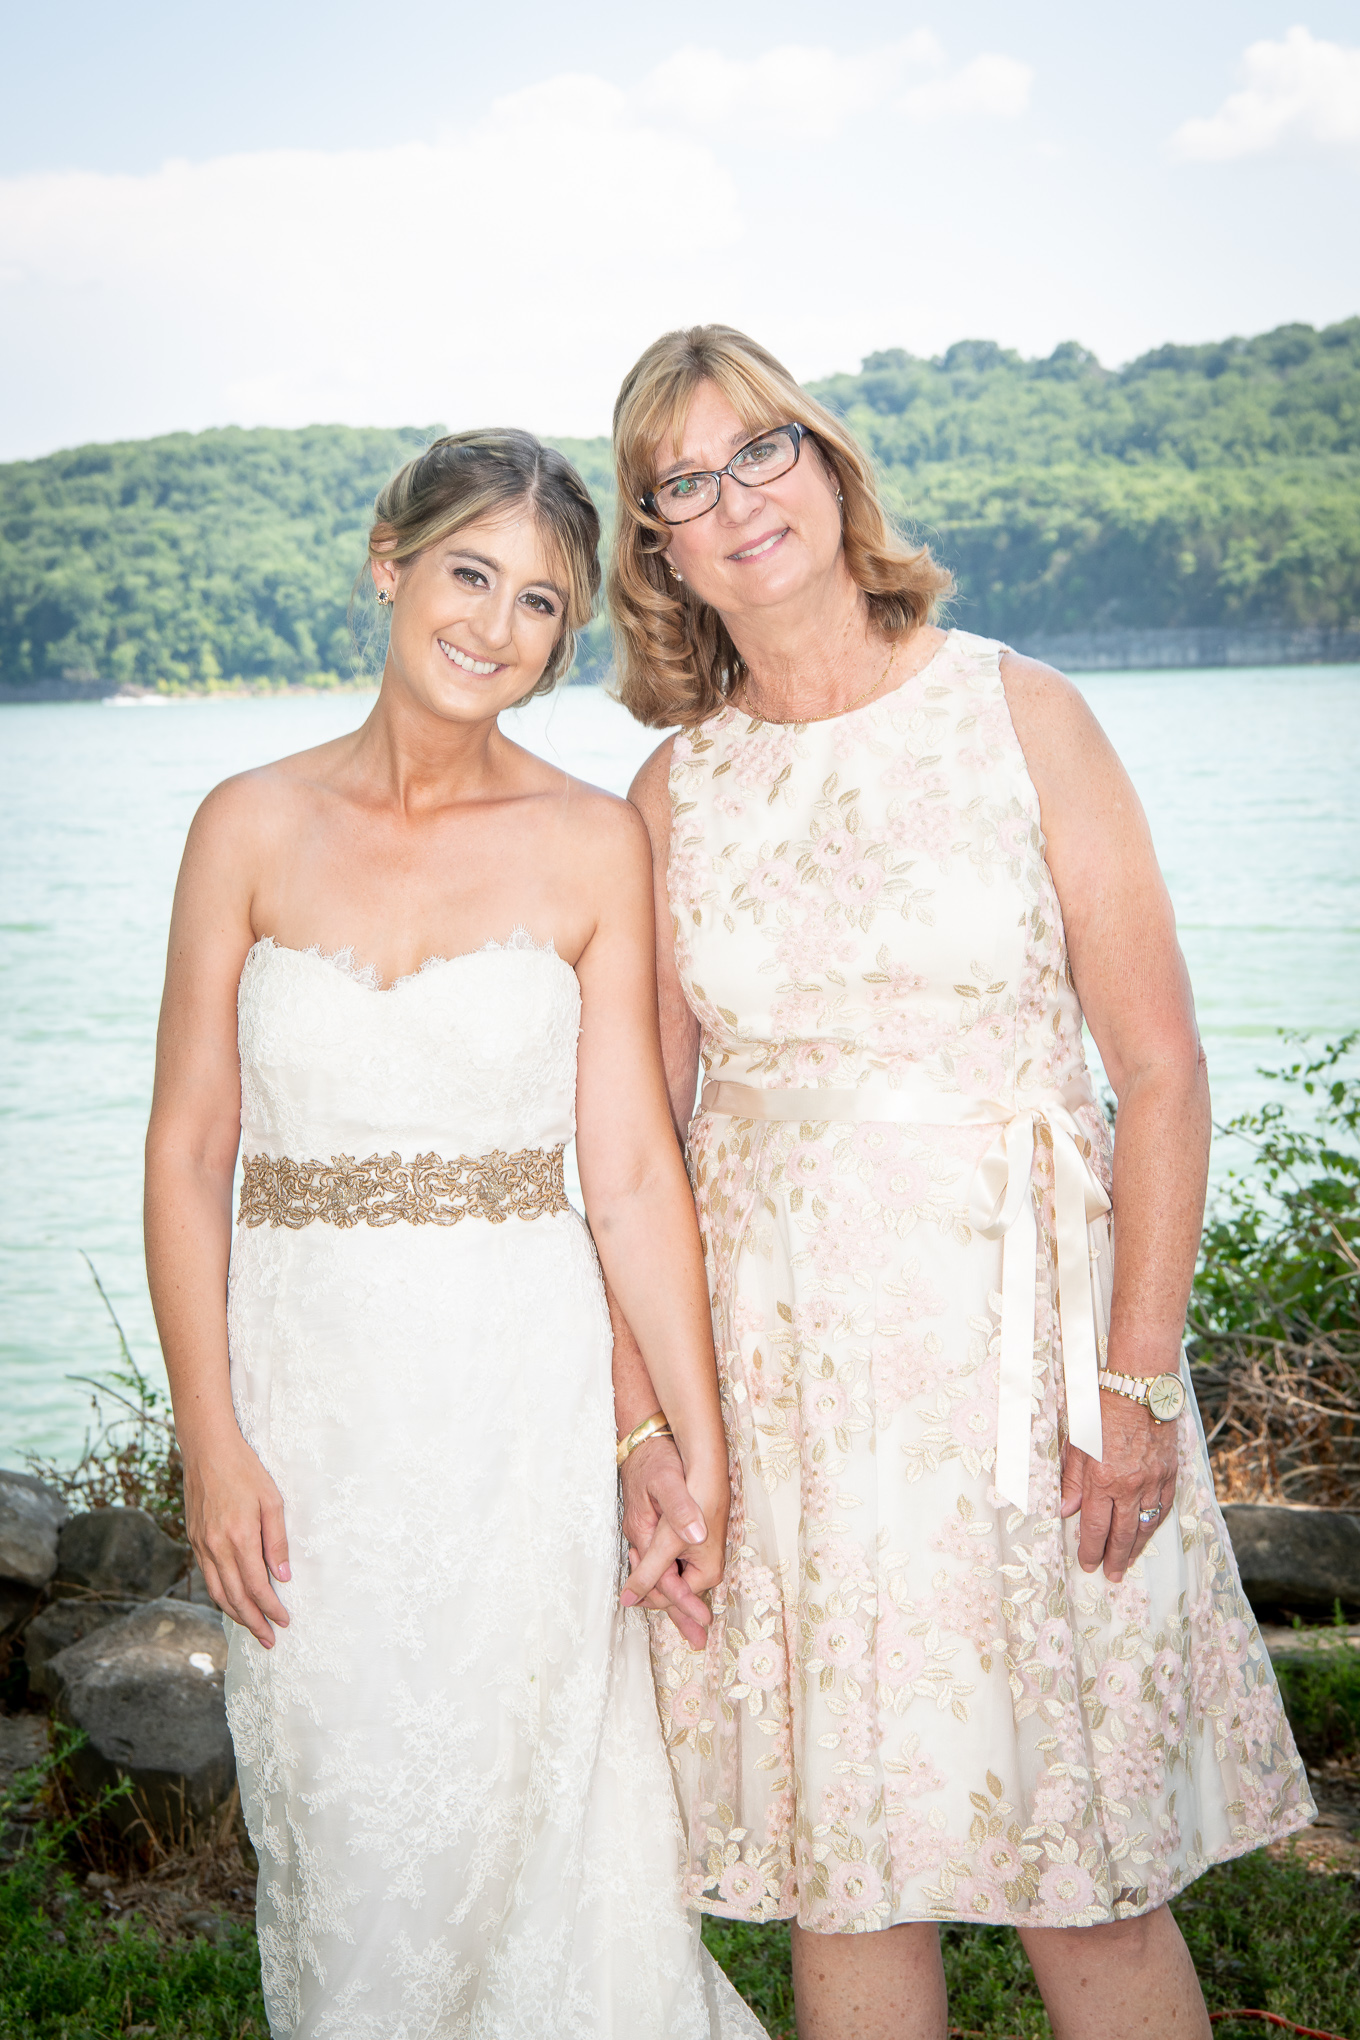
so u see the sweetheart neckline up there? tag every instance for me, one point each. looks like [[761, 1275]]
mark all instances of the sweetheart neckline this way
[[365, 975]]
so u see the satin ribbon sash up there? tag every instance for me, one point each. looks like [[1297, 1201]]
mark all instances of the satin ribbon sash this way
[[1000, 1206]]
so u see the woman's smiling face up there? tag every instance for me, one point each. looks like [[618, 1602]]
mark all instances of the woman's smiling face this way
[[475, 617], [758, 547]]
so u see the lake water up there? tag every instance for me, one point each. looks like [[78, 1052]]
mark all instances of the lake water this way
[[1250, 779]]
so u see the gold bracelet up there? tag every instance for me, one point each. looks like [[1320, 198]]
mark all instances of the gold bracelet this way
[[654, 1426]]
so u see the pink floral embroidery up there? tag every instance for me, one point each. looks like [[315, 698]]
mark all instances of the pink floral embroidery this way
[[913, 1703]]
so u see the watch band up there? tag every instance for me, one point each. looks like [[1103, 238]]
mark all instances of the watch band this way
[[1133, 1386]]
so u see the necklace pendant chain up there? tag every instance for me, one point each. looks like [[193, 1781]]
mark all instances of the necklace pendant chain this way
[[797, 721]]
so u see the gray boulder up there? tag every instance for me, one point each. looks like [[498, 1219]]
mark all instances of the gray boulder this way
[[31, 1514], [61, 1624], [1299, 1559], [16, 1605], [118, 1552], [147, 1691]]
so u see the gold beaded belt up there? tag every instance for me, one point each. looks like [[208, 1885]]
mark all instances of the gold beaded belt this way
[[385, 1190]]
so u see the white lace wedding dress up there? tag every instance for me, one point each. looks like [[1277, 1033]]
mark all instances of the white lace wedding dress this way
[[451, 1764]]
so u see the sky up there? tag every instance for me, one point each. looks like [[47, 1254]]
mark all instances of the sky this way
[[290, 213]]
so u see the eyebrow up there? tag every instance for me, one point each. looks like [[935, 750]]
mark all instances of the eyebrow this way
[[690, 467], [484, 560]]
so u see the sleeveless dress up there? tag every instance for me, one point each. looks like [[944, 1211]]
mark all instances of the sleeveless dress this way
[[450, 1762], [913, 1703]]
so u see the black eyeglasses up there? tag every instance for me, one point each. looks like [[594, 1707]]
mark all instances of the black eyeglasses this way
[[684, 497]]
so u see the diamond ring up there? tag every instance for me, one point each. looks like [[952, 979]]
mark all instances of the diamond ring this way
[[1150, 1515]]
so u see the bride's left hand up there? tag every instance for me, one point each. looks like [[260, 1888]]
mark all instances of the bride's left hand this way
[[1137, 1472], [671, 1569]]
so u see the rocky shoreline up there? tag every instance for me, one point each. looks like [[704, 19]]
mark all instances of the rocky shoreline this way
[[108, 1628]]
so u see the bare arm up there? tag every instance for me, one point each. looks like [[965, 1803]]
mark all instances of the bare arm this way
[[1135, 992], [658, 1508], [233, 1510], [637, 1194], [650, 795]]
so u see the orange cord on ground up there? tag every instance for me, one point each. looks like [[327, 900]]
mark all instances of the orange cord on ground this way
[[1267, 2018], [1273, 2019]]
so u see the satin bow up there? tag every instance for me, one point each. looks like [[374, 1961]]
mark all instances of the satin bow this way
[[1001, 1206]]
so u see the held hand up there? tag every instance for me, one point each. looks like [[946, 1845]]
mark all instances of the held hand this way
[[675, 1546], [1137, 1472], [234, 1515]]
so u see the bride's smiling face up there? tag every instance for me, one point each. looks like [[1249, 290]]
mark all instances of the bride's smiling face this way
[[475, 617]]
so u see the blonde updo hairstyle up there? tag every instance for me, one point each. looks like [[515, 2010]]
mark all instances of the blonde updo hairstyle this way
[[466, 476], [675, 661]]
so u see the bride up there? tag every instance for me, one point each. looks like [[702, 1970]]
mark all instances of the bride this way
[[403, 967]]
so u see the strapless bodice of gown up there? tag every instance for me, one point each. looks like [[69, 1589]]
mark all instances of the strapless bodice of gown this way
[[468, 1054]]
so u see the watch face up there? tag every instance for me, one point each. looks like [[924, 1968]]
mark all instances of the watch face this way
[[1166, 1397]]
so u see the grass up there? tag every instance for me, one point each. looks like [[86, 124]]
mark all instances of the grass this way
[[1266, 1935], [67, 1975]]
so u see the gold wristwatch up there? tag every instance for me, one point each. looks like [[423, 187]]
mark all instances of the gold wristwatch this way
[[1162, 1395]]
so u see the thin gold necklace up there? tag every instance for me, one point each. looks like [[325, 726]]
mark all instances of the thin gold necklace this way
[[796, 721]]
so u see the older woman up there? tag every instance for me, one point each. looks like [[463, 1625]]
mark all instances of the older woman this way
[[981, 1651]]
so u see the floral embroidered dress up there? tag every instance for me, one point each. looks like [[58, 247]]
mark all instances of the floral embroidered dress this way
[[913, 1703]]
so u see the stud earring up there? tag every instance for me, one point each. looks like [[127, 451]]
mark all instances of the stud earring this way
[[839, 497], [671, 571], [384, 598]]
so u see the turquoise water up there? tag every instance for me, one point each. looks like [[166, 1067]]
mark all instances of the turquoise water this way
[[1249, 778]]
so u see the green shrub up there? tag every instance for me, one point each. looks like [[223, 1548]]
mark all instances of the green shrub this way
[[1274, 1317], [1281, 1252], [1321, 1690], [130, 1459]]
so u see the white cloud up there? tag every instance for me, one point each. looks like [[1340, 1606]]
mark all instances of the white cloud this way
[[1299, 92], [391, 282], [506, 270], [800, 91], [991, 86]]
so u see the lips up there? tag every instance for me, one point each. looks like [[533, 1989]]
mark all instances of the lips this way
[[465, 660], [760, 546]]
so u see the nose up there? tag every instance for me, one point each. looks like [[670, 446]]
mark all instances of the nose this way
[[738, 504], [496, 620]]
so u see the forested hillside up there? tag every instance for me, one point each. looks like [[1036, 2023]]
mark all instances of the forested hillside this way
[[1199, 485]]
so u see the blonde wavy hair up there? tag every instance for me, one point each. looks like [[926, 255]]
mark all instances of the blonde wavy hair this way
[[470, 475], [675, 661]]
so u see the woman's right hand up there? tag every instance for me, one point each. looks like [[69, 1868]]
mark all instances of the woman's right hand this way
[[234, 1516]]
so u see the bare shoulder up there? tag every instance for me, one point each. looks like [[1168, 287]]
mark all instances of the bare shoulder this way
[[1042, 697], [240, 808], [604, 828], [254, 803], [650, 790], [247, 821], [1052, 717]]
